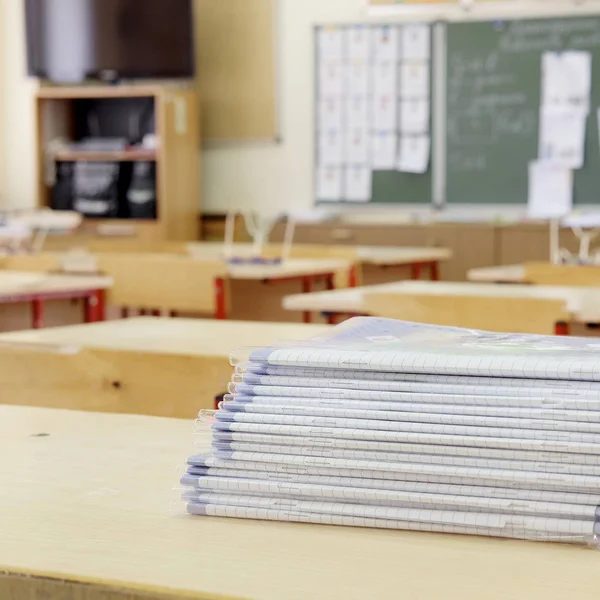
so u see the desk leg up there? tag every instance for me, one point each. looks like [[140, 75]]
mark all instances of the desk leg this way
[[435, 271], [124, 313], [561, 329], [330, 281], [94, 309], [353, 277], [220, 300], [306, 289], [37, 308], [416, 271]]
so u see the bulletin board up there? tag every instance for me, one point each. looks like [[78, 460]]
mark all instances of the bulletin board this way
[[236, 54], [373, 83]]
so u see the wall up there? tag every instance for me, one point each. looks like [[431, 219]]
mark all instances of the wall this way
[[270, 177]]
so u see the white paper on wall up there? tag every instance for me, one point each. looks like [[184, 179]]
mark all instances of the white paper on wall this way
[[330, 44], [413, 155], [414, 80], [416, 42], [356, 146], [331, 79], [358, 183], [385, 43], [329, 184], [550, 191], [414, 116], [358, 42], [330, 114], [357, 112], [385, 113], [562, 136], [384, 151], [331, 149], [385, 79], [567, 79], [357, 77]]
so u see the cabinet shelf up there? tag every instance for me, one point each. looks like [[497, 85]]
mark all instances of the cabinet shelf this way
[[103, 156]]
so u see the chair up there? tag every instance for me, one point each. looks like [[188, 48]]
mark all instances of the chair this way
[[514, 315]]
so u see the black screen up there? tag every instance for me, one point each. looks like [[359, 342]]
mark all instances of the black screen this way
[[71, 40]]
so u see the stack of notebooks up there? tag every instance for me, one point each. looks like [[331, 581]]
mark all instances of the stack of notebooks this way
[[402, 426]]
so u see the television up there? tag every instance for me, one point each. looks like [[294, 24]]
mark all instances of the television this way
[[70, 41]]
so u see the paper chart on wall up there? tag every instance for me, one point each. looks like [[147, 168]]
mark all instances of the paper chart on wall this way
[[357, 78], [358, 42], [331, 149], [330, 43], [385, 113], [329, 184], [562, 136], [385, 43], [550, 191], [567, 79], [384, 150], [331, 80], [358, 184], [356, 146], [414, 116], [416, 42], [414, 154], [385, 79], [414, 81], [357, 110], [330, 114]]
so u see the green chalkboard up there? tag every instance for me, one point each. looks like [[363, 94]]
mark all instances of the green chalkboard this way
[[493, 100], [389, 187]]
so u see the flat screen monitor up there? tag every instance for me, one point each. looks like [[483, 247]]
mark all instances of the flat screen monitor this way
[[69, 41]]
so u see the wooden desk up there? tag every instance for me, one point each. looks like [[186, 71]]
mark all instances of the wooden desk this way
[[503, 274], [37, 288], [583, 304], [152, 366], [85, 514]]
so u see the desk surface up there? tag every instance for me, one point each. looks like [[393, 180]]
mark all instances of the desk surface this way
[[294, 267], [198, 337], [583, 303], [377, 255], [503, 274], [16, 283], [92, 501]]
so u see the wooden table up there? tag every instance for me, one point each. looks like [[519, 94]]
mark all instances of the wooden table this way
[[37, 288], [153, 366], [88, 512], [583, 304], [502, 274]]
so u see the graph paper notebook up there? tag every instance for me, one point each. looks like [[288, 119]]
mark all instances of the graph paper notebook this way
[[265, 374], [288, 481], [220, 437], [417, 437], [565, 411], [250, 383], [587, 512], [393, 346]]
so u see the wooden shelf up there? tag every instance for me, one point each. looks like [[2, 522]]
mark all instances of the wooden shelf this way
[[119, 156]]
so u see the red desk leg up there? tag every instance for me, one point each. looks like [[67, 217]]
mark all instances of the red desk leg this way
[[435, 271], [124, 313], [220, 300], [94, 307], [306, 289], [37, 308], [561, 329], [416, 271], [353, 278], [156, 313], [330, 281]]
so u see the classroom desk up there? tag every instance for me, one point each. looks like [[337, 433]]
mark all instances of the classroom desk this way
[[582, 303], [37, 288], [417, 258], [89, 513], [153, 366], [502, 274]]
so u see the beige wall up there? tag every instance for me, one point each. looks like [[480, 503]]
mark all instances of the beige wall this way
[[267, 176]]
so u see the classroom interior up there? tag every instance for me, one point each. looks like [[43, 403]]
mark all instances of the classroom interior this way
[[193, 190]]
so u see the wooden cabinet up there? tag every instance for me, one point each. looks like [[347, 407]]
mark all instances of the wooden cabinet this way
[[175, 117]]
